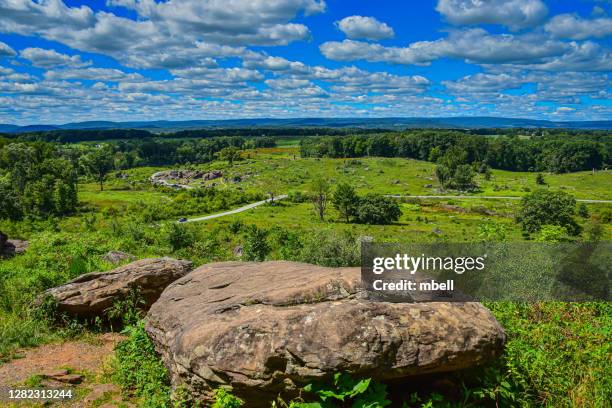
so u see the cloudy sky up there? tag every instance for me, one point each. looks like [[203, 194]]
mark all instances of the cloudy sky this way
[[63, 61]]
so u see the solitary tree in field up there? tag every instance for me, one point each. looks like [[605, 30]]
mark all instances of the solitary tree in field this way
[[99, 163], [345, 201], [545, 207], [319, 194], [229, 154]]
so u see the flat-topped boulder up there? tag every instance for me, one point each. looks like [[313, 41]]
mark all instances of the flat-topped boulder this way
[[92, 293], [272, 327]]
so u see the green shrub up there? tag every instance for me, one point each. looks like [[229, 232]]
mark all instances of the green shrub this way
[[139, 371], [178, 236], [256, 246], [331, 248], [378, 209], [545, 207]]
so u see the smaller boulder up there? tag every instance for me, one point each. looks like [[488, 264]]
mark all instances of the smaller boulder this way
[[116, 257], [11, 247], [91, 294]]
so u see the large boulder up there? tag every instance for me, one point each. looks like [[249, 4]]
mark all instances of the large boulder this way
[[92, 293], [269, 328]]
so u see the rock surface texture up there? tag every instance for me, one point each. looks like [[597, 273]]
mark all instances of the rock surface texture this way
[[269, 328], [91, 294]]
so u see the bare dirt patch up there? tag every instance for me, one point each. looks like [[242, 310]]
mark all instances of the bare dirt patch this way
[[80, 356]]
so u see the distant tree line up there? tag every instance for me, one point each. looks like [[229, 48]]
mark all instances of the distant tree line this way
[[554, 153], [98, 135]]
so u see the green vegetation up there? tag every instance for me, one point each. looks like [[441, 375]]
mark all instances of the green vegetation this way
[[543, 207], [36, 180], [557, 354], [542, 153], [139, 371]]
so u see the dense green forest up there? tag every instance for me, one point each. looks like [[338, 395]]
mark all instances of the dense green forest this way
[[556, 153]]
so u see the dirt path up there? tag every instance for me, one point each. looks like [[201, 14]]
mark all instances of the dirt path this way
[[80, 356], [85, 357]]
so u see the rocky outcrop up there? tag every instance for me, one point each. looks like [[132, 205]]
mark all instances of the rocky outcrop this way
[[11, 247], [182, 178], [91, 294], [269, 328]]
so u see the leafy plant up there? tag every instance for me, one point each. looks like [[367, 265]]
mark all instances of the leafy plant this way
[[225, 399], [256, 246], [346, 391], [139, 371]]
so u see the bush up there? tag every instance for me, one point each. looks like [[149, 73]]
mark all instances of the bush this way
[[178, 236], [378, 209], [544, 207], [331, 248], [256, 246]]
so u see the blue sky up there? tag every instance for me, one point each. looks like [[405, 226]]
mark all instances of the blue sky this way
[[64, 61]]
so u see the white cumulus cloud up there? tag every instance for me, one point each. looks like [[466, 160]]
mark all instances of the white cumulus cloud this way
[[576, 28], [43, 58], [515, 14], [364, 27]]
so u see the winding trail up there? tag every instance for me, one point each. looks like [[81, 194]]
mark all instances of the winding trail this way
[[459, 197], [237, 210]]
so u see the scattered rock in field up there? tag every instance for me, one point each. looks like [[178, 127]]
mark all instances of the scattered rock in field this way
[[428, 186], [55, 373], [91, 294], [272, 327], [437, 231], [395, 182], [60, 377], [162, 177], [11, 247], [115, 257], [215, 174]]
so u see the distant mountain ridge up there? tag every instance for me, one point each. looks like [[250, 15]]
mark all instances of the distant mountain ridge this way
[[386, 123]]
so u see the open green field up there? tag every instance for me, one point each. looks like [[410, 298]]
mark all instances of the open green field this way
[[282, 171]]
